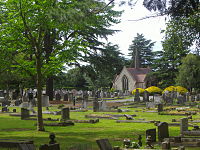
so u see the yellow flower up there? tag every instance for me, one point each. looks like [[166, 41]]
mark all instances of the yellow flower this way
[[170, 89], [181, 89], [140, 90], [153, 89]]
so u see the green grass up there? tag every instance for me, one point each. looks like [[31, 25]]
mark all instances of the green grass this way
[[83, 134]]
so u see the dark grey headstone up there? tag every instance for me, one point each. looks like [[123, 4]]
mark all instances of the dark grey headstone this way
[[24, 113], [183, 125], [160, 107], [95, 105], [163, 131], [65, 114], [104, 144], [137, 96], [58, 97], [152, 134], [146, 96], [66, 97]]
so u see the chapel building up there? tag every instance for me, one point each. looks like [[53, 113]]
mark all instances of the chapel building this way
[[131, 78]]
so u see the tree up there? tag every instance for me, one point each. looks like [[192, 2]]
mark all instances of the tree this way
[[103, 65], [189, 72], [144, 48], [25, 25]]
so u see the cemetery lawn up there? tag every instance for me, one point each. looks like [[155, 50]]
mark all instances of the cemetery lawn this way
[[85, 134]]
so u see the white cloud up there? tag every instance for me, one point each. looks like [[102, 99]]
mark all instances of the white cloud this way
[[150, 28]]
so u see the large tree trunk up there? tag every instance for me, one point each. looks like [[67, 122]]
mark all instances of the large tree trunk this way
[[40, 125], [49, 88]]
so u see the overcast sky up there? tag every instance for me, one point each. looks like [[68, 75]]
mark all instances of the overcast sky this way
[[150, 28]]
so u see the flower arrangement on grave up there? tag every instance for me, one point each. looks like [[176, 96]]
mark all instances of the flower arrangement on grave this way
[[141, 90], [153, 89]]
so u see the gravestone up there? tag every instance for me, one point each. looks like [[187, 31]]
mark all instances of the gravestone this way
[[95, 105], [70, 97], [24, 113], [65, 114], [163, 131], [45, 101], [157, 98], [166, 145], [198, 97], [181, 99], [187, 95], [104, 144], [146, 96], [192, 98], [137, 96], [183, 125], [152, 134], [65, 97], [18, 102], [160, 107], [58, 97], [4, 109], [150, 105]]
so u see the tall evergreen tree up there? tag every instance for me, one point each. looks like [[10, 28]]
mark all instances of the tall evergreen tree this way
[[144, 49], [189, 72]]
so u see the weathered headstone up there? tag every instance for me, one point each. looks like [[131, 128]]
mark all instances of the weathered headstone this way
[[160, 107], [166, 145], [66, 97], [150, 105], [104, 144], [137, 96], [58, 97], [152, 134], [70, 97], [146, 96], [183, 125], [65, 114], [192, 98], [24, 113], [163, 131], [95, 105], [45, 101], [187, 95]]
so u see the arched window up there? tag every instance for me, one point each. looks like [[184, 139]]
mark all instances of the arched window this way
[[124, 83]]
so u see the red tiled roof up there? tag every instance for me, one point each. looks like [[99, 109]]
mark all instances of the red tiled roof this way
[[139, 74]]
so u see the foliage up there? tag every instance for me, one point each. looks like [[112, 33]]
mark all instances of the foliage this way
[[153, 89], [189, 72], [144, 49], [72, 78], [103, 65], [112, 90], [141, 90], [181, 89]]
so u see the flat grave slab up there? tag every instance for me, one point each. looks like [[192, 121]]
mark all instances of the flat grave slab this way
[[101, 116]]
